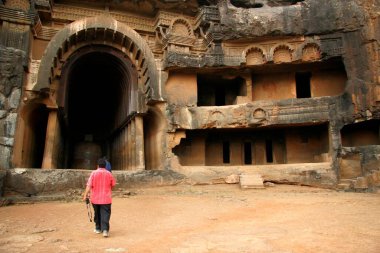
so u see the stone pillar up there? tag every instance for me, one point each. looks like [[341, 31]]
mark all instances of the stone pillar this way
[[124, 151], [51, 141], [133, 144], [121, 144], [139, 143], [129, 146]]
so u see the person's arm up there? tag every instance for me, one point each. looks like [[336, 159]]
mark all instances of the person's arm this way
[[86, 192], [88, 188], [113, 182]]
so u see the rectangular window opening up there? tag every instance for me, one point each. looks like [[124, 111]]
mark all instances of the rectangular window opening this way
[[247, 153], [226, 152], [303, 84], [269, 151], [215, 90]]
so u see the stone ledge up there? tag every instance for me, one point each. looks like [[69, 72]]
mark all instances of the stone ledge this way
[[311, 174], [37, 182]]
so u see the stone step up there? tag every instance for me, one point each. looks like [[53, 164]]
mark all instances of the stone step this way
[[346, 181], [251, 181], [343, 186]]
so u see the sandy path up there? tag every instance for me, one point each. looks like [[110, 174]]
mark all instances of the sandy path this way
[[197, 219]]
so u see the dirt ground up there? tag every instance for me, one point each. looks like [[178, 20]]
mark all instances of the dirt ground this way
[[198, 219]]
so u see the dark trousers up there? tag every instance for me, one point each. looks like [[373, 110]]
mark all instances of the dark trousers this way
[[102, 215]]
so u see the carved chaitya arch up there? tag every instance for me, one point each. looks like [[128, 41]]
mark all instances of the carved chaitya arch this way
[[311, 52], [99, 39], [114, 32], [282, 54], [254, 56], [181, 27], [179, 36]]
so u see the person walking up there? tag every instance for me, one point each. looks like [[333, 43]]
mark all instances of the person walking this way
[[99, 187]]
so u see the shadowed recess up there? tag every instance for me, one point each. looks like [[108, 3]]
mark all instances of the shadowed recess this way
[[96, 87]]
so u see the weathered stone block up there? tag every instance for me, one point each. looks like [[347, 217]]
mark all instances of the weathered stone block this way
[[350, 168], [11, 69], [14, 99], [313, 174], [2, 102], [251, 181], [32, 182], [345, 184], [10, 124], [5, 141], [3, 173], [5, 154], [3, 113], [361, 183], [126, 179], [232, 179]]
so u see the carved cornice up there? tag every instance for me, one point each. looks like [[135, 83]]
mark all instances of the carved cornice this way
[[158, 31], [162, 19], [139, 23], [299, 49]]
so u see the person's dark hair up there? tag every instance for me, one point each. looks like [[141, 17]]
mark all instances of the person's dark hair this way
[[101, 163]]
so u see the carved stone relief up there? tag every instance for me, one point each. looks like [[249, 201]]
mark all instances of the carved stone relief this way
[[255, 56], [282, 54], [311, 52]]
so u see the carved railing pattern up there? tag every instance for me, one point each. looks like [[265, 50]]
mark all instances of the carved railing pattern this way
[[46, 33], [255, 113], [207, 14], [16, 16]]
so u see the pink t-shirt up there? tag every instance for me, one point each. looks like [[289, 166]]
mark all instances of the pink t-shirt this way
[[101, 182]]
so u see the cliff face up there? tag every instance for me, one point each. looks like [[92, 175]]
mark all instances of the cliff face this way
[[305, 18]]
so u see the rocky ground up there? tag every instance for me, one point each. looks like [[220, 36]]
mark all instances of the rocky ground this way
[[198, 219]]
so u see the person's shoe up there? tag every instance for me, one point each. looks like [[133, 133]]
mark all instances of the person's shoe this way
[[105, 233], [97, 231]]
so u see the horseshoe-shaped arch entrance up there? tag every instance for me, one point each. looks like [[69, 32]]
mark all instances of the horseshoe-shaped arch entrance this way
[[100, 75]]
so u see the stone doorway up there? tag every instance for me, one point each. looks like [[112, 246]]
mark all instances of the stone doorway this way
[[97, 103]]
